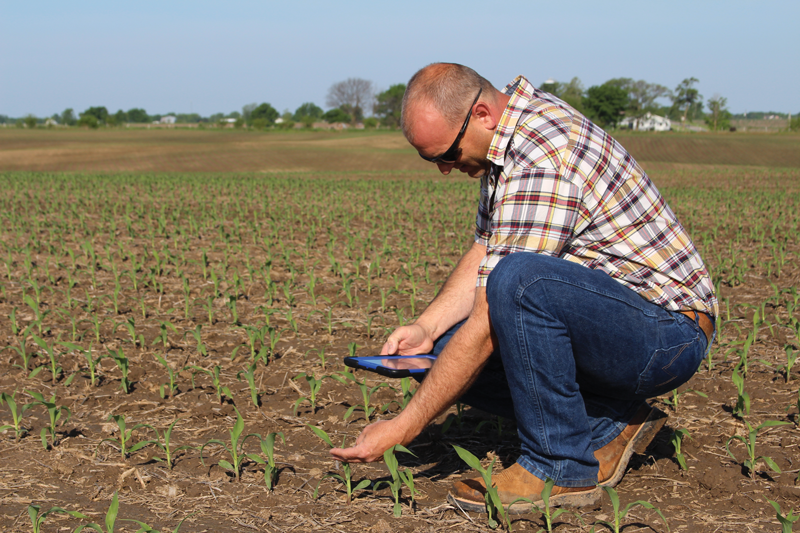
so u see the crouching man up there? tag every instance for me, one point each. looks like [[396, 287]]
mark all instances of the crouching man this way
[[581, 297]]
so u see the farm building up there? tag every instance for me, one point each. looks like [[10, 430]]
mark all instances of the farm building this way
[[169, 119], [648, 122]]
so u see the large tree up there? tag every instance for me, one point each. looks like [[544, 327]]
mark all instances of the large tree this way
[[68, 117], [247, 111], [352, 95], [306, 111], [389, 104], [719, 117], [641, 95], [572, 92], [605, 103], [137, 116], [686, 96], [100, 113], [263, 112]]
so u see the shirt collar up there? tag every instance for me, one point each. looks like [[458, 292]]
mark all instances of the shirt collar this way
[[521, 92]]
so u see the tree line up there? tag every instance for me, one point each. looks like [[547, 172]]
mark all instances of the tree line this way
[[350, 100]]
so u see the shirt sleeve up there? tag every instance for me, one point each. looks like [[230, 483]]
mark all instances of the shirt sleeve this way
[[534, 210]]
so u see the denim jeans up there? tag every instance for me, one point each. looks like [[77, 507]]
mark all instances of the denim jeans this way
[[578, 354]]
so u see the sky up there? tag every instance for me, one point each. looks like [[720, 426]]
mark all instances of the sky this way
[[207, 57]]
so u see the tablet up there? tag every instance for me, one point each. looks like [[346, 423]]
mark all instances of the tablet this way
[[393, 366]]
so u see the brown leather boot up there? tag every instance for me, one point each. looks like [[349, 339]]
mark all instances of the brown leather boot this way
[[614, 456], [514, 483]]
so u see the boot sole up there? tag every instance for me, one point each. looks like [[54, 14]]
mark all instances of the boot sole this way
[[567, 499], [641, 440]]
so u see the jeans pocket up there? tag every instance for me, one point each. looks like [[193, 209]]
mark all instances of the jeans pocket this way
[[669, 368]]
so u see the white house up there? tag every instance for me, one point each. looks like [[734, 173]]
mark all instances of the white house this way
[[648, 122], [169, 119]]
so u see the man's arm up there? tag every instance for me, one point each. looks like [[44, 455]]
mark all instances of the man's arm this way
[[455, 370], [452, 305]]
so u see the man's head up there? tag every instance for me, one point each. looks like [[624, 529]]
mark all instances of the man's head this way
[[449, 115]]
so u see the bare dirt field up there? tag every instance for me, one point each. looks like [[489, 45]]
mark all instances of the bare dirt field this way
[[199, 298]]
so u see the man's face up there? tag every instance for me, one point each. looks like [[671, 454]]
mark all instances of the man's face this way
[[433, 136]]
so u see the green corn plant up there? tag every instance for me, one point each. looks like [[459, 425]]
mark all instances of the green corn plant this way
[[268, 449], [494, 507], [742, 406], [55, 413], [232, 307], [16, 413], [791, 357], [547, 512], [125, 435], [12, 317], [144, 528], [346, 478], [676, 439], [749, 442], [198, 338], [399, 478], [677, 395], [22, 350], [220, 389], [171, 388], [92, 363], [110, 521], [163, 328], [366, 393], [122, 363], [37, 520], [786, 521], [163, 443], [314, 385], [37, 312], [620, 515], [274, 337], [235, 448], [130, 326], [254, 336], [249, 374], [55, 368]]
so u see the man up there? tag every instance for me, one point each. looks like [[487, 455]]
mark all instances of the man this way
[[581, 297]]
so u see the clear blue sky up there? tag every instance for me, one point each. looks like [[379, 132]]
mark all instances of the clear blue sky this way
[[210, 57]]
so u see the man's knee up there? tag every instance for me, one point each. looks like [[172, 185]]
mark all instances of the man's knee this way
[[510, 273]]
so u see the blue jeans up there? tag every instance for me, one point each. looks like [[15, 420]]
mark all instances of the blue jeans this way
[[578, 354]]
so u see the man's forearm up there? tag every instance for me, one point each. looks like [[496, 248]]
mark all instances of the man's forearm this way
[[455, 369], [457, 298]]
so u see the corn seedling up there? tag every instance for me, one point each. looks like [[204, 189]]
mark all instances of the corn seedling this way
[[548, 513], [676, 396], [314, 385], [268, 449], [494, 507], [676, 439], [791, 357], [347, 475], [366, 394], [620, 515], [786, 521], [144, 528], [171, 388], [16, 413], [55, 368], [22, 351], [122, 363], [92, 363], [399, 478], [742, 406], [235, 448], [37, 312], [37, 519], [249, 374], [220, 389], [125, 435], [750, 446], [55, 413], [110, 521], [164, 445], [198, 338], [163, 328]]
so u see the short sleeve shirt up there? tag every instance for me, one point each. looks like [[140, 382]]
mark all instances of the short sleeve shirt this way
[[559, 185]]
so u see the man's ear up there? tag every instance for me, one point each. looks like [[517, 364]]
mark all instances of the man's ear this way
[[483, 114]]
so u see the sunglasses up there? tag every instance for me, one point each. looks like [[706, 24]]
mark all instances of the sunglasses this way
[[452, 153]]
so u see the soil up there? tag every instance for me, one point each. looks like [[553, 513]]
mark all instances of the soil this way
[[100, 252]]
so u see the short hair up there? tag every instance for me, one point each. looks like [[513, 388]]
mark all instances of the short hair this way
[[450, 87]]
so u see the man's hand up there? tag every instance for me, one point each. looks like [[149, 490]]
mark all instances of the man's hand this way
[[408, 340], [373, 441]]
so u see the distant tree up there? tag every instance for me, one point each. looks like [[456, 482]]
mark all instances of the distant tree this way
[[120, 117], [68, 117], [352, 95], [265, 112], [259, 123], [100, 113], [247, 111], [306, 111], [641, 95], [216, 117], [4, 119], [719, 118], [370, 122], [388, 105], [605, 103], [572, 93], [137, 116], [794, 124], [30, 121], [88, 121], [233, 114], [286, 115], [687, 97], [337, 115]]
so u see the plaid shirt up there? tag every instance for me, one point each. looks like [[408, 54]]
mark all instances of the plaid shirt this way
[[561, 186]]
